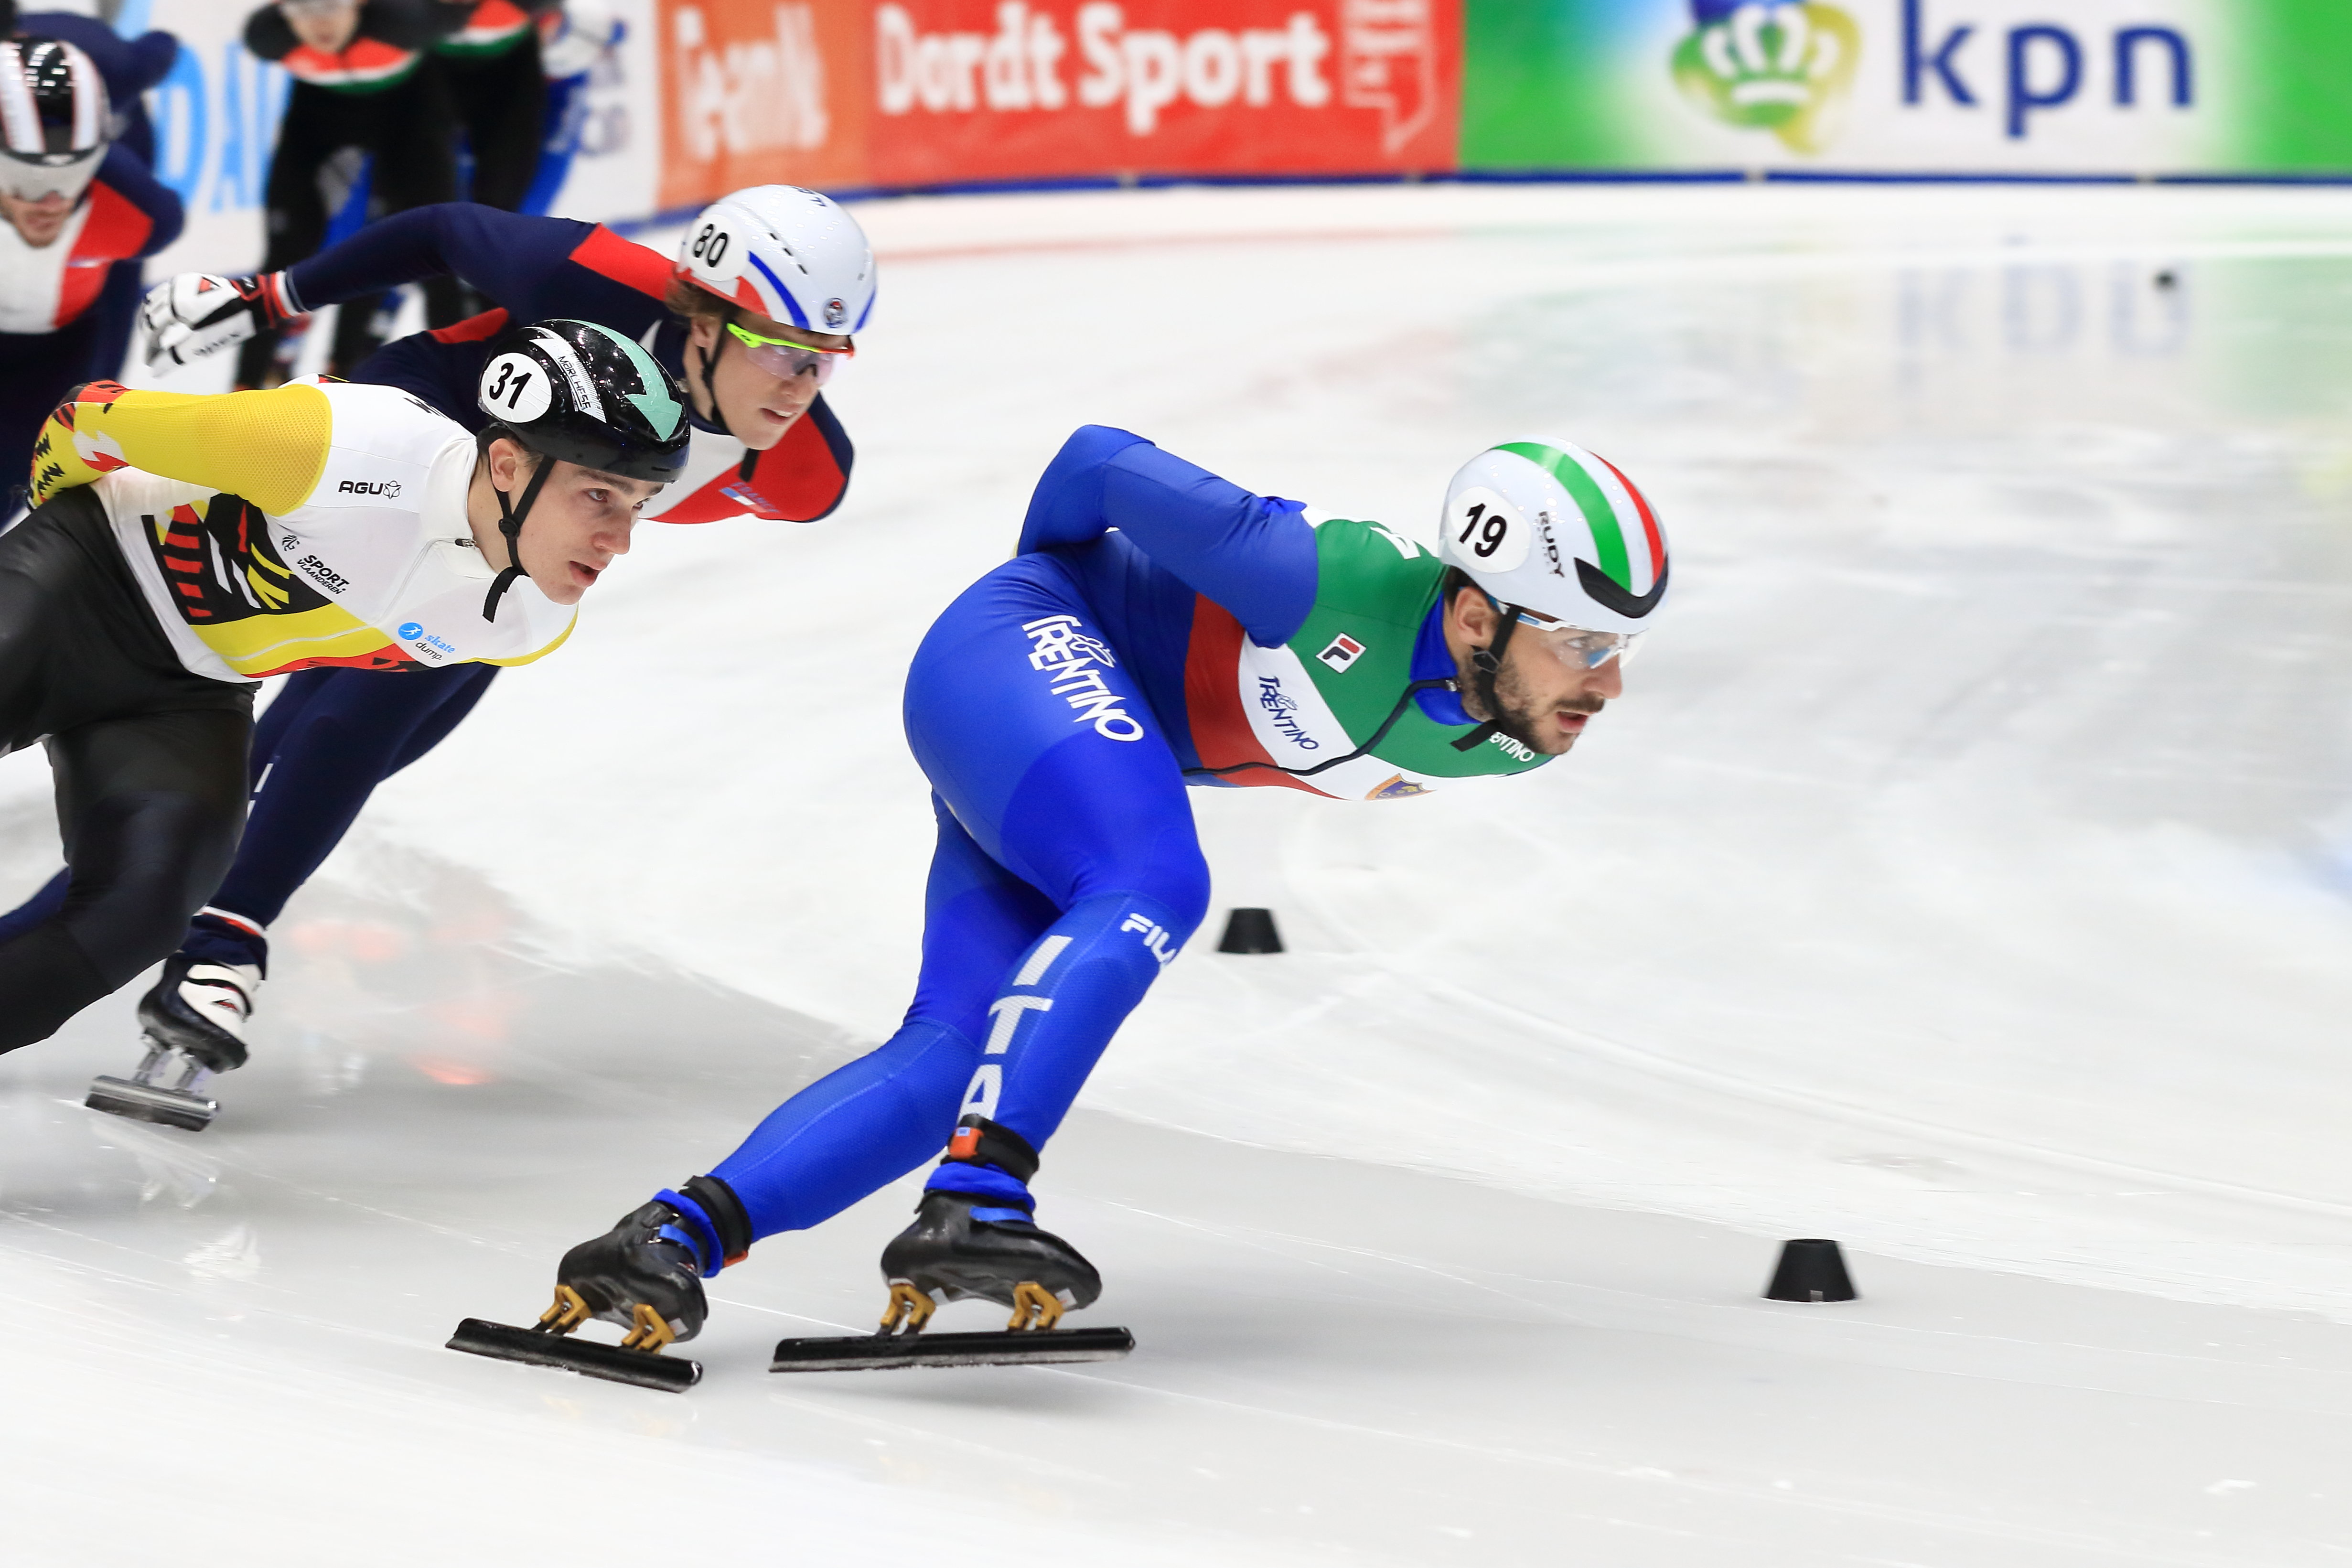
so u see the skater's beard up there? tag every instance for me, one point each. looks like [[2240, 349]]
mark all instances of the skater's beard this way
[[1522, 716]]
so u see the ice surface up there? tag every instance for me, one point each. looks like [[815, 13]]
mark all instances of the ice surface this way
[[1968, 874]]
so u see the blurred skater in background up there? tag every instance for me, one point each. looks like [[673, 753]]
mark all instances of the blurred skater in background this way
[[79, 203], [363, 105], [495, 83], [129, 67]]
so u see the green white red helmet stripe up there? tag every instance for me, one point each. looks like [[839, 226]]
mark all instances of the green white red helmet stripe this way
[[1651, 536], [1603, 495]]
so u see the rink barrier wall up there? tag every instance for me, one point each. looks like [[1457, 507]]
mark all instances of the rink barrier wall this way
[[874, 98], [673, 216]]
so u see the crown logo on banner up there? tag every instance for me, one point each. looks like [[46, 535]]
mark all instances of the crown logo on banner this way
[[1780, 65]]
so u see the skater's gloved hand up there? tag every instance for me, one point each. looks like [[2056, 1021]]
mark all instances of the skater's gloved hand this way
[[200, 313]]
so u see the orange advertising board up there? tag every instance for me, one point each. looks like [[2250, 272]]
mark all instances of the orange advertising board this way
[[851, 93], [759, 93]]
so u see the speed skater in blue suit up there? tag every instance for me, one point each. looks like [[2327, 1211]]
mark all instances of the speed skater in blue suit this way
[[1160, 629]]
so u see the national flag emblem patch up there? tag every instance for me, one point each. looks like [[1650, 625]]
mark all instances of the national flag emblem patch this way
[[1398, 788], [1344, 651]]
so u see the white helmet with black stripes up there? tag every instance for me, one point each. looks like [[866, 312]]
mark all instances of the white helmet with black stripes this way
[[54, 121]]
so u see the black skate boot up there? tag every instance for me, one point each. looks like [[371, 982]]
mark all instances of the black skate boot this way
[[966, 1245], [947, 1254], [645, 1275], [192, 1024]]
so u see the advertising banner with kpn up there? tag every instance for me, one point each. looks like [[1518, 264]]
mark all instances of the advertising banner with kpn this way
[[2128, 87]]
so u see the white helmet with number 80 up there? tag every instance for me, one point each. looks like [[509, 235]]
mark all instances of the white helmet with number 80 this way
[[792, 255]]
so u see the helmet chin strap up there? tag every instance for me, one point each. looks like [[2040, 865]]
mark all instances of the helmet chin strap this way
[[510, 525], [707, 357], [1489, 662]]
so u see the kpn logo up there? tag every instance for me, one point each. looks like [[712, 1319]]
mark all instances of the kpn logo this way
[[1782, 66]]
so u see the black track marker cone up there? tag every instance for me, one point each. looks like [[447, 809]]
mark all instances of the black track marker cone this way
[[1810, 1270], [1251, 930]]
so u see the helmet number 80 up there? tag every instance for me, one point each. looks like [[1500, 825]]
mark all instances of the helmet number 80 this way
[[710, 245]]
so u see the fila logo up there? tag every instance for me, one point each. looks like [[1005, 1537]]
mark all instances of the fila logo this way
[[1344, 651], [1155, 937]]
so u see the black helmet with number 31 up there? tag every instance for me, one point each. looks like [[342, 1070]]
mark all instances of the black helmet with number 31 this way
[[578, 393]]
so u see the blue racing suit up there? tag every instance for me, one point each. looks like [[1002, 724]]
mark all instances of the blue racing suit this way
[[1059, 707]]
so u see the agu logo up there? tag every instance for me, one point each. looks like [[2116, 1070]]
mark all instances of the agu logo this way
[[1782, 66]]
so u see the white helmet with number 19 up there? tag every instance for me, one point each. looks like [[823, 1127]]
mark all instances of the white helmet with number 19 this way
[[792, 255], [1560, 533]]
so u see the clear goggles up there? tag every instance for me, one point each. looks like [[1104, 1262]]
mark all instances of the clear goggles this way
[[1577, 648], [31, 180], [783, 359]]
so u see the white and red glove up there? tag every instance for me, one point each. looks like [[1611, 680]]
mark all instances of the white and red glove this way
[[199, 313]]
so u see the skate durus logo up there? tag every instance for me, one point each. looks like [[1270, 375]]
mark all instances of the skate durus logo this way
[[1782, 66], [1069, 656]]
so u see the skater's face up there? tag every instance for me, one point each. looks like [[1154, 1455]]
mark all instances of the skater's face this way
[[39, 222], [755, 403], [581, 521], [1546, 701], [327, 25]]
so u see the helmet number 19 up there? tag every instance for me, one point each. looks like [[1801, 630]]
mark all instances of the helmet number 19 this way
[[1488, 530]]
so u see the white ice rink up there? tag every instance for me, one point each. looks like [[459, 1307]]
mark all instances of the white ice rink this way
[[1967, 875]]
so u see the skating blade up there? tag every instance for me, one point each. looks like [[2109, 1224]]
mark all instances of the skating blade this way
[[151, 1102], [646, 1369], [881, 1352]]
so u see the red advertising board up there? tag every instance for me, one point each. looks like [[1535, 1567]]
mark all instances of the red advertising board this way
[[918, 92]]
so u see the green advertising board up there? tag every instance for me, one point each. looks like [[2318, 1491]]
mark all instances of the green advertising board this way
[[2021, 87]]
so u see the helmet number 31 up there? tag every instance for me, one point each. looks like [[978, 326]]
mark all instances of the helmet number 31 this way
[[1488, 530], [515, 388]]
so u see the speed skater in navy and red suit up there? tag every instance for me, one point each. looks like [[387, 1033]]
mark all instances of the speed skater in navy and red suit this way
[[79, 203], [1161, 626], [765, 445], [131, 67]]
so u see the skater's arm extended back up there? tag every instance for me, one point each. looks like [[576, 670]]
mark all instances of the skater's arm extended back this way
[[505, 256], [1253, 554], [269, 447]]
